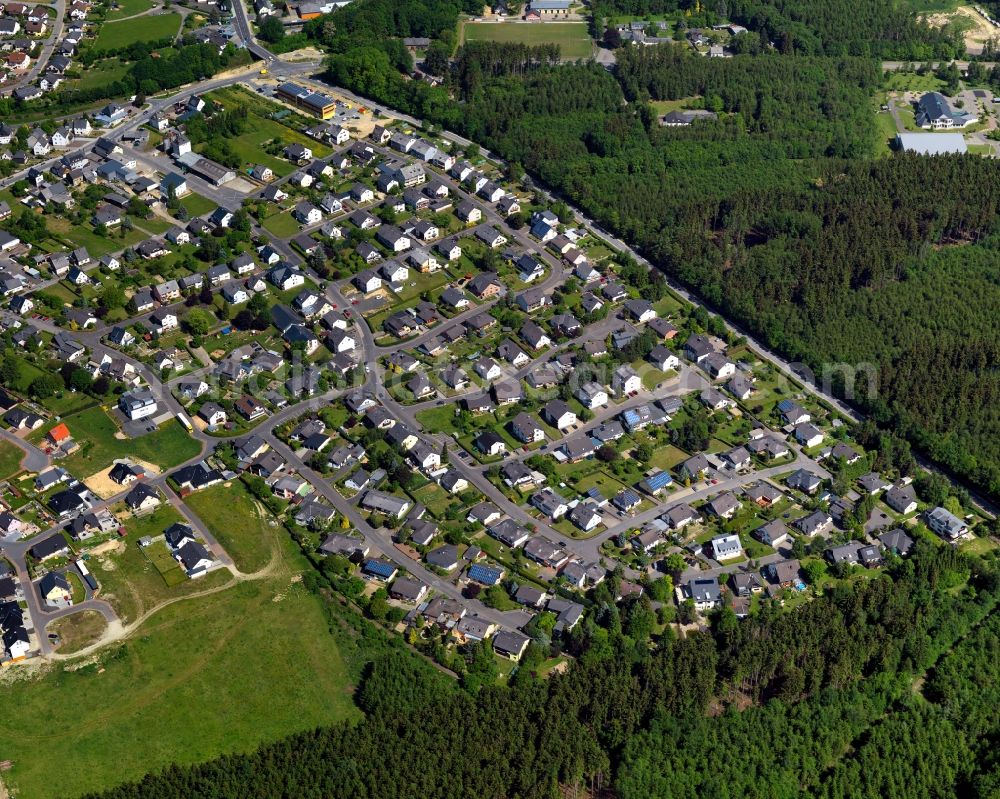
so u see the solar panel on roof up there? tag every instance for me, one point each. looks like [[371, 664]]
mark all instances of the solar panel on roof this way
[[484, 574], [660, 480], [380, 568]]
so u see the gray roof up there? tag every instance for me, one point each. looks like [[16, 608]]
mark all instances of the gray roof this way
[[932, 143]]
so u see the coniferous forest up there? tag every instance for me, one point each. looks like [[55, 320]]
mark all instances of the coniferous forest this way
[[780, 215], [883, 688]]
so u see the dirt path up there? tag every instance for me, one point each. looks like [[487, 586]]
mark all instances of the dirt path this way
[[116, 631]]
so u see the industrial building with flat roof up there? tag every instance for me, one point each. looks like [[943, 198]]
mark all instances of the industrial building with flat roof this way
[[315, 103]]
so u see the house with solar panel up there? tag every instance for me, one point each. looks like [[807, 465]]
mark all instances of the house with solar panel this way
[[626, 500], [485, 575], [656, 482], [378, 569]]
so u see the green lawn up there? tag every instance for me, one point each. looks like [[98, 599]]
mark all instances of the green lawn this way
[[663, 107], [282, 225], [438, 420], [434, 498], [95, 431], [76, 586], [10, 459], [196, 205], [572, 37], [212, 675], [152, 28], [235, 519], [885, 127], [129, 8]]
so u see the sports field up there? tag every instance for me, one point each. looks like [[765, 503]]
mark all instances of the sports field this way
[[572, 37]]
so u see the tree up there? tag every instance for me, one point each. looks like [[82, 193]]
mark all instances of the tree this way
[[198, 321], [607, 453], [9, 370], [814, 570], [80, 379], [437, 58], [45, 386], [258, 304], [271, 29], [644, 452], [674, 563]]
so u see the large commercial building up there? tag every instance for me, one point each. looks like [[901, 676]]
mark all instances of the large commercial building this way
[[315, 103]]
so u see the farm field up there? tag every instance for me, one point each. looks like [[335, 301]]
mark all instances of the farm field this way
[[572, 37], [151, 28], [212, 675]]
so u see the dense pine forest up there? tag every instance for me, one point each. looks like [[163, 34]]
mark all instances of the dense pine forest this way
[[886, 687], [875, 28]]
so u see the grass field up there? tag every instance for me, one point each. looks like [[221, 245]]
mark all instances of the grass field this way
[[84, 235], [572, 37], [129, 8], [133, 584], [10, 459], [218, 674], [95, 431], [233, 517], [912, 82], [282, 225], [152, 28], [102, 73], [77, 630]]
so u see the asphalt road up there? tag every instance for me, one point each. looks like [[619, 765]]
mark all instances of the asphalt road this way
[[42, 61]]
